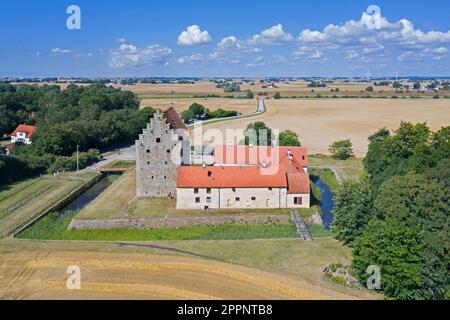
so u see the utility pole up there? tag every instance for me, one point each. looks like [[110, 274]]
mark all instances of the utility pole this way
[[78, 159]]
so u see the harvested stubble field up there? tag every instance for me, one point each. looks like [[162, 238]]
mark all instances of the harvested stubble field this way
[[270, 269], [320, 122]]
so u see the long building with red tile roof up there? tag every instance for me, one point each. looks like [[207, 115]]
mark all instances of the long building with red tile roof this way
[[274, 178]]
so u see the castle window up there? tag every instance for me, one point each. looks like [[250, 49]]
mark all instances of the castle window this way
[[180, 138], [253, 198], [303, 157], [238, 199], [208, 200], [148, 150], [196, 191], [158, 140], [208, 190], [298, 200], [270, 189], [197, 200], [168, 151], [234, 189]]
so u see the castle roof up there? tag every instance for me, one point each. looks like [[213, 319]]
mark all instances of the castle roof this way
[[241, 177], [258, 155], [174, 119]]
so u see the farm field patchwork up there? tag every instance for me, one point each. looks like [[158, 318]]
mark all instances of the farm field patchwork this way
[[292, 89]]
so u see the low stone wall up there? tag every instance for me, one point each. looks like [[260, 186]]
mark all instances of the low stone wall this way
[[169, 223]]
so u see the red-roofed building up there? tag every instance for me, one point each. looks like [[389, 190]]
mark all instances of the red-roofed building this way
[[23, 134], [244, 179]]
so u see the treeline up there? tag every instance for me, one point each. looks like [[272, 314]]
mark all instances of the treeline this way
[[198, 112], [91, 117], [397, 217]]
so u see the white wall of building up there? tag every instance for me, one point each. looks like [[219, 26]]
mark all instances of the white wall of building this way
[[305, 201], [238, 198], [21, 137]]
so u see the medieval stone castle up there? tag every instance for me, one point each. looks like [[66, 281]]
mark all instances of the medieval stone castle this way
[[239, 177], [160, 150]]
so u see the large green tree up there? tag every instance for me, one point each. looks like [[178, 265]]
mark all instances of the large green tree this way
[[353, 209], [395, 249], [258, 134], [289, 138], [341, 150]]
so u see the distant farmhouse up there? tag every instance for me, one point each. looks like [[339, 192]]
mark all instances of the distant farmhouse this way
[[241, 177], [22, 134]]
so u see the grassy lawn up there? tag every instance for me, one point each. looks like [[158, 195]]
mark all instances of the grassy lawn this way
[[4, 141], [350, 169], [22, 202], [328, 177], [120, 164], [113, 202], [53, 228]]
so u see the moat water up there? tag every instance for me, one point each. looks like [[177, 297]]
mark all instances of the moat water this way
[[326, 204], [87, 197]]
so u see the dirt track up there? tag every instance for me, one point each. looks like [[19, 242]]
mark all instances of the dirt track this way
[[42, 275]]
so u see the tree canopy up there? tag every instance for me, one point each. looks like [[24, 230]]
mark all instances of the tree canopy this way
[[398, 217], [91, 117], [341, 150], [289, 138]]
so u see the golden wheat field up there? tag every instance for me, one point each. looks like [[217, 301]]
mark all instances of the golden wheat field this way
[[43, 275], [320, 122]]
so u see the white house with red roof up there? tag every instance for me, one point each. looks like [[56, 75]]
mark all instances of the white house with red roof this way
[[245, 177], [23, 134]]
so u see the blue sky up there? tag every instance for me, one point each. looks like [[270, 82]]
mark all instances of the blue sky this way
[[225, 38]]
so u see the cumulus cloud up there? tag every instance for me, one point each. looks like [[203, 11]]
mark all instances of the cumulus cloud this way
[[370, 39], [361, 32], [273, 35], [436, 54], [193, 36], [128, 55], [190, 59]]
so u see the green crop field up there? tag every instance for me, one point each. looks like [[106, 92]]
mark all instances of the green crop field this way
[[23, 202]]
